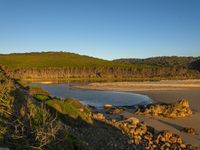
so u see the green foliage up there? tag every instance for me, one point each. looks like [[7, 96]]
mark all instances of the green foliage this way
[[60, 65], [41, 97], [6, 98], [71, 107], [68, 66], [165, 61], [195, 65], [26, 124], [51, 59], [37, 115]]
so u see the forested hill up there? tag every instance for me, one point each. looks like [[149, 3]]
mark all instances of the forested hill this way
[[64, 66], [165, 61], [195, 65], [49, 59]]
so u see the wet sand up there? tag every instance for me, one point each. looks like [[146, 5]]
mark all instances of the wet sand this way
[[175, 125], [143, 86], [167, 92]]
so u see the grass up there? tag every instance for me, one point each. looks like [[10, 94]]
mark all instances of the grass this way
[[37, 90], [71, 107], [39, 93], [41, 97], [57, 59], [31, 125]]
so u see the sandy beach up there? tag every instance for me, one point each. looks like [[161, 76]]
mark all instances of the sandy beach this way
[[167, 92]]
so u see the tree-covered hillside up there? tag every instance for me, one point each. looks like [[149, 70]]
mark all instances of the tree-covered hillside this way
[[165, 61], [70, 66], [195, 65]]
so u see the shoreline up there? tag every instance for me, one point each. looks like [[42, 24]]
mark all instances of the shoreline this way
[[104, 80], [164, 95], [142, 86]]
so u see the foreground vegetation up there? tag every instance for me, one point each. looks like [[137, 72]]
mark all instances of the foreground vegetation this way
[[68, 106], [31, 119], [69, 66], [28, 124]]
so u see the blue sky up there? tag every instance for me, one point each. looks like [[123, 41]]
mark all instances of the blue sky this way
[[102, 28]]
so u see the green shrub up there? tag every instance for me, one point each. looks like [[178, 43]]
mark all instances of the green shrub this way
[[71, 107], [41, 97]]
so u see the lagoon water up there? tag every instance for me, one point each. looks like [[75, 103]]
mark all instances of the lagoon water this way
[[95, 97]]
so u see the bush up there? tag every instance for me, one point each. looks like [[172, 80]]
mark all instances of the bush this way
[[71, 107], [41, 97]]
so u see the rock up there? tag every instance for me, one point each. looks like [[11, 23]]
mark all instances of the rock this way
[[191, 147], [148, 136], [113, 121], [167, 144], [183, 146], [189, 130], [183, 103], [136, 139], [176, 110], [115, 110], [166, 135], [133, 120], [145, 137], [99, 116], [107, 106], [141, 128], [179, 140]]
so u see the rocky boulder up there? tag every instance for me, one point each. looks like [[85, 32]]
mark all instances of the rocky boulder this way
[[98, 116], [189, 130], [115, 110], [107, 106], [175, 110]]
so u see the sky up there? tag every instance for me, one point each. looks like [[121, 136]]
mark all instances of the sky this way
[[107, 29]]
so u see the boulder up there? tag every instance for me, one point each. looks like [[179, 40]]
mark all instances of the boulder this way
[[189, 130], [167, 135], [191, 147], [115, 110], [108, 106], [175, 110], [99, 116], [183, 103], [133, 120]]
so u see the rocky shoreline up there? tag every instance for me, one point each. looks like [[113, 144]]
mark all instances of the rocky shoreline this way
[[143, 135]]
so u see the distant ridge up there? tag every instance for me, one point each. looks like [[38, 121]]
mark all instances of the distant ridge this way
[[163, 61]]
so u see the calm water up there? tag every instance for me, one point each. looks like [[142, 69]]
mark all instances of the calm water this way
[[95, 97]]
